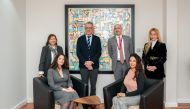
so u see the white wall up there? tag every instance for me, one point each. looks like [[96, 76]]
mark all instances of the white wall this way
[[183, 52], [47, 16], [13, 52], [172, 52]]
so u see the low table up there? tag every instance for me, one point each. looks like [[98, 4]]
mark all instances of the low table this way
[[93, 101]]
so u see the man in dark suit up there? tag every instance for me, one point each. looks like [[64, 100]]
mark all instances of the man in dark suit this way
[[89, 52]]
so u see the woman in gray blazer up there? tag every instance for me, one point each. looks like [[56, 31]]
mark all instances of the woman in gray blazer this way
[[49, 51], [60, 82]]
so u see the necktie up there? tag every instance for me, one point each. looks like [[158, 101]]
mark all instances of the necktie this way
[[121, 51], [88, 42]]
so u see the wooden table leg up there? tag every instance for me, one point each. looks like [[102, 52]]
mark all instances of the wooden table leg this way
[[98, 106]]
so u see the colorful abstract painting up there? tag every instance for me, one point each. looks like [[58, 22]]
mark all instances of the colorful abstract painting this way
[[104, 20]]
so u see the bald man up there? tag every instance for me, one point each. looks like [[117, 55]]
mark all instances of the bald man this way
[[119, 48]]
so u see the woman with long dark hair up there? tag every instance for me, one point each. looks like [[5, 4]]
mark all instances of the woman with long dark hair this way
[[49, 51], [133, 85], [59, 81]]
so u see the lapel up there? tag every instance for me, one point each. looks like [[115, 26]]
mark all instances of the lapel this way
[[92, 43], [58, 49], [49, 53], [155, 46], [115, 43], [124, 43], [85, 42]]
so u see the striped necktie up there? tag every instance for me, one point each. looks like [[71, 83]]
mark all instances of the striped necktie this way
[[88, 42]]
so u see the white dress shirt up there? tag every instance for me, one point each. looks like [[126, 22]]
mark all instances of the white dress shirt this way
[[52, 56], [90, 39], [118, 52], [153, 44]]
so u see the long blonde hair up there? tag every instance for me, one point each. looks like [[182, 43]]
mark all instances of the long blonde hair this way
[[157, 33], [148, 44]]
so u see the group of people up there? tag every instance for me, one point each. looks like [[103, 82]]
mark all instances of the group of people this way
[[125, 64]]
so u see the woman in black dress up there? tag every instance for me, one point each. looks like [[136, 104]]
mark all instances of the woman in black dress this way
[[154, 55]]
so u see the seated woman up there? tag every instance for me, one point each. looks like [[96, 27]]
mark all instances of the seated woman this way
[[59, 80], [133, 85]]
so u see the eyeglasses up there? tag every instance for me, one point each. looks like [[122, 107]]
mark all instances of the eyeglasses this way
[[88, 27]]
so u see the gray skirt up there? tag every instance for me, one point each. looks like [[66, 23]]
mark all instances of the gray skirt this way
[[62, 97], [125, 102]]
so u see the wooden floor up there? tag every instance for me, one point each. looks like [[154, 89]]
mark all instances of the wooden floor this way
[[30, 106], [181, 106]]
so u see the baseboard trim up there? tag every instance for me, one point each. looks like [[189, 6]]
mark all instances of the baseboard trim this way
[[183, 100], [29, 100], [20, 104], [171, 104], [101, 100]]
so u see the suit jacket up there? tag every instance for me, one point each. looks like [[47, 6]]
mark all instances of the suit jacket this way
[[112, 49], [45, 59], [155, 57], [56, 82], [84, 53]]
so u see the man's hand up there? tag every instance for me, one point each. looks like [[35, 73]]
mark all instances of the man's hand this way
[[90, 68], [88, 65]]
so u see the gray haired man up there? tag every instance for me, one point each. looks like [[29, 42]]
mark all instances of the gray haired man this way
[[119, 48]]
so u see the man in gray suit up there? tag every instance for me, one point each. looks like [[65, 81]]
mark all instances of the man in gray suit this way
[[119, 48]]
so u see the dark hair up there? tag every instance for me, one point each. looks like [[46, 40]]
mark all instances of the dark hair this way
[[139, 67], [54, 65], [51, 35]]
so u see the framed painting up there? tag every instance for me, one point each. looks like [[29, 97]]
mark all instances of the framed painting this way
[[104, 17]]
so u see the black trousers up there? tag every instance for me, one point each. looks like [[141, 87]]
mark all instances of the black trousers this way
[[91, 75]]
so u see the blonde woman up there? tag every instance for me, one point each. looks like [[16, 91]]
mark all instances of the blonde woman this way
[[154, 55]]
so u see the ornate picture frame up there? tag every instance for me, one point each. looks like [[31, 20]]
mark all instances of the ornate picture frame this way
[[104, 18]]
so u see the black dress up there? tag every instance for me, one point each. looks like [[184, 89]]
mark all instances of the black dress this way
[[155, 57]]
